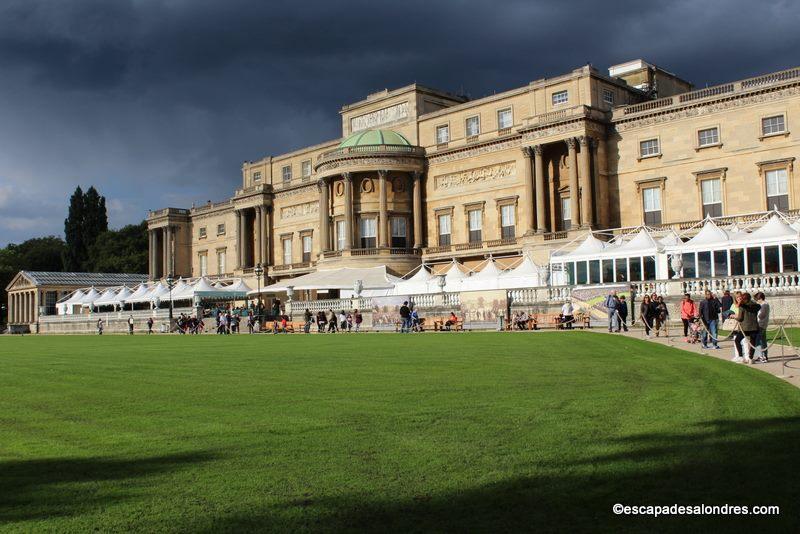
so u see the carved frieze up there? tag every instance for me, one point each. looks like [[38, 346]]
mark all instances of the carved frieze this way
[[379, 117], [475, 151], [300, 210], [296, 191], [489, 173]]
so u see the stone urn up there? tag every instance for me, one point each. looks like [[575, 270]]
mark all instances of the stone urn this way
[[676, 262]]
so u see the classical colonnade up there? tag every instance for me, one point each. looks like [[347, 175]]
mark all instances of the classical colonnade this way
[[384, 239], [22, 307], [581, 151], [161, 251], [253, 226]]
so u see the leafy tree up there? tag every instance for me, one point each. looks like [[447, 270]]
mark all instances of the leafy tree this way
[[87, 219], [75, 252], [120, 251], [38, 254]]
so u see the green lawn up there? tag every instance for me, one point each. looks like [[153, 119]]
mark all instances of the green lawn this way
[[453, 432]]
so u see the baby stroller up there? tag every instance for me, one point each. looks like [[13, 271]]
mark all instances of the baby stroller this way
[[695, 329]]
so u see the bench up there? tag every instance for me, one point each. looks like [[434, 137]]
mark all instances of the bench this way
[[291, 327], [439, 324]]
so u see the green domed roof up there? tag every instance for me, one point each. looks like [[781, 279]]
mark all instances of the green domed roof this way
[[374, 137]]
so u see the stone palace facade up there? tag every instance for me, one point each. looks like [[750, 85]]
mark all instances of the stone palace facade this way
[[422, 175]]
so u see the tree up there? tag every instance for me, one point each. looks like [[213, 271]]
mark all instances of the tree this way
[[87, 219], [75, 252], [95, 217], [38, 254], [120, 251]]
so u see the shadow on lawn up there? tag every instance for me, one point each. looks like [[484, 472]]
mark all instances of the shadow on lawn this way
[[42, 488], [739, 462]]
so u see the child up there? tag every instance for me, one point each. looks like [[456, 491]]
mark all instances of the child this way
[[694, 331]]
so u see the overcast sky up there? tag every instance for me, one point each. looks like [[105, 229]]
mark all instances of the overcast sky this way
[[158, 102]]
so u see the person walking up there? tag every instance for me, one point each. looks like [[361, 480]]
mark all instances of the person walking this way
[[149, 325], [763, 323], [309, 317], [332, 322], [622, 312], [688, 313], [709, 312], [358, 320], [747, 328], [611, 309], [567, 315], [726, 302], [99, 327], [321, 322], [646, 314], [662, 316], [405, 318]]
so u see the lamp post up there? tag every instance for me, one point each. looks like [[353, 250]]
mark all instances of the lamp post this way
[[259, 272], [170, 285]]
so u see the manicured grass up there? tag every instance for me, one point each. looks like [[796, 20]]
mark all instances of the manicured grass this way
[[452, 432]]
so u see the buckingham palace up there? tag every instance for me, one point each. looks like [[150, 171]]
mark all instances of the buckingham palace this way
[[423, 176]]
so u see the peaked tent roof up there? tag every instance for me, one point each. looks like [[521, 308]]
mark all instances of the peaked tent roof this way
[[590, 247], [775, 229], [641, 242], [140, 291], [421, 282], [710, 235], [341, 278], [489, 271], [123, 295], [75, 298], [91, 296], [672, 238], [108, 297]]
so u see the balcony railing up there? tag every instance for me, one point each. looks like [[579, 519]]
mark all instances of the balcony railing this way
[[292, 266], [369, 150], [477, 245], [768, 283], [750, 84]]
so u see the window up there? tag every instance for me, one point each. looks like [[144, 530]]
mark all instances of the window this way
[[399, 232], [649, 268], [203, 264], [636, 269], [286, 244], [704, 264], [475, 225], [789, 258], [368, 232], [257, 176], [442, 134], [711, 193], [203, 232], [754, 265], [777, 189], [720, 263], [221, 229], [621, 269], [305, 169], [689, 265], [594, 271], [560, 97], [651, 197], [221, 262], [286, 172], [473, 126], [566, 213], [306, 249], [504, 119], [708, 137], [737, 262], [608, 97], [507, 221], [772, 259], [773, 125], [607, 270], [649, 148], [444, 230], [583, 274], [341, 235]]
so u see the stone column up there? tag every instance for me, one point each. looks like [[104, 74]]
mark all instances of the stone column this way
[[348, 209], [163, 252], [36, 304], [12, 309], [601, 178], [239, 240], [170, 251], [259, 235], [417, 179], [265, 235], [324, 241], [585, 173], [150, 269], [383, 219], [528, 190], [574, 187], [538, 163]]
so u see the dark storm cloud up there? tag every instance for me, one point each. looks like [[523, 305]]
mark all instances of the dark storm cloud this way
[[158, 102]]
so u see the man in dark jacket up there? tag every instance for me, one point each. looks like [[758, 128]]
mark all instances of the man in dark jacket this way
[[726, 303], [710, 308], [622, 310], [405, 318]]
